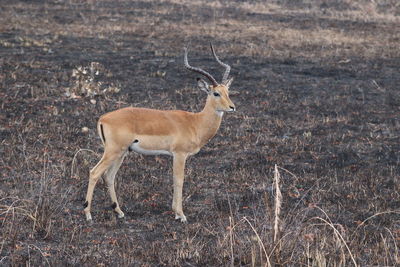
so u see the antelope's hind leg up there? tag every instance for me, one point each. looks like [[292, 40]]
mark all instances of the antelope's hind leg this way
[[103, 165], [110, 180]]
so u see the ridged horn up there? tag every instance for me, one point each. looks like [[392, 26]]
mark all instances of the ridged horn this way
[[227, 67], [198, 70]]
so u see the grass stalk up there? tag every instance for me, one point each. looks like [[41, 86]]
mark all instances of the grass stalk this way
[[340, 238], [268, 263], [278, 204]]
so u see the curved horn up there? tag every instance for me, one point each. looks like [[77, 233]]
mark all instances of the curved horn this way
[[227, 67], [198, 70]]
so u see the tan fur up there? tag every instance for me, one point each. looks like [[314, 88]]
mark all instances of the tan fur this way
[[178, 132]]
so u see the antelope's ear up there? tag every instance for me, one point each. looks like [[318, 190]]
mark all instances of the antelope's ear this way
[[228, 82], [203, 85]]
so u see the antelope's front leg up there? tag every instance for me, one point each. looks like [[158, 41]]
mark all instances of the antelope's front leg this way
[[178, 173]]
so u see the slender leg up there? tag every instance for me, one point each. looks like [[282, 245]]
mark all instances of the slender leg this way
[[178, 173], [110, 178], [95, 174]]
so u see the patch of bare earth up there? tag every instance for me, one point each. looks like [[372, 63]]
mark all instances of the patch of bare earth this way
[[316, 87]]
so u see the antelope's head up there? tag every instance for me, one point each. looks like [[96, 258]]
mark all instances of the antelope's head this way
[[218, 93]]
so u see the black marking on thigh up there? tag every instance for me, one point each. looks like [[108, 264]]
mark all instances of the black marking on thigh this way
[[102, 133], [114, 205], [85, 204]]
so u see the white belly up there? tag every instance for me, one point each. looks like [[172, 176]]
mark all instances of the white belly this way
[[136, 147]]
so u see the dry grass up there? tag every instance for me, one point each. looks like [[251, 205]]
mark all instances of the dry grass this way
[[317, 95], [264, 37]]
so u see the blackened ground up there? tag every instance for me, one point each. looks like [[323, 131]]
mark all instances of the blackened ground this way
[[316, 88]]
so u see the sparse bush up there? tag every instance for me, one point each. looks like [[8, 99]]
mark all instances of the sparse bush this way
[[87, 81]]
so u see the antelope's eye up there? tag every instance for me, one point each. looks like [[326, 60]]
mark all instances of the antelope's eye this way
[[216, 94]]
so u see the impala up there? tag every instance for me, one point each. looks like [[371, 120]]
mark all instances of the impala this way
[[153, 132]]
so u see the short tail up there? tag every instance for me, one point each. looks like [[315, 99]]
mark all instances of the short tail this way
[[101, 133]]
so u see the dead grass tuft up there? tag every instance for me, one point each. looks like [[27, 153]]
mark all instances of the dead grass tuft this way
[[87, 82]]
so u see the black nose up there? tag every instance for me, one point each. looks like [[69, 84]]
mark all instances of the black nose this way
[[232, 107]]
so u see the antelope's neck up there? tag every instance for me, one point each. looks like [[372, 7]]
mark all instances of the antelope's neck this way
[[209, 122]]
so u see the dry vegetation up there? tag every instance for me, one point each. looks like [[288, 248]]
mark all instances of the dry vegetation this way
[[317, 95]]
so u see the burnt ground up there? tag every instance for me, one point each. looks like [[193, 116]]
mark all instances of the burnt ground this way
[[316, 88]]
